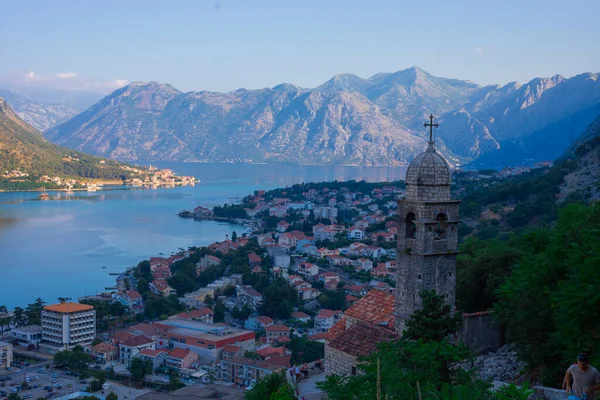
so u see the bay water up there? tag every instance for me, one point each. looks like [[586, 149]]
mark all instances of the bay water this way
[[68, 246]]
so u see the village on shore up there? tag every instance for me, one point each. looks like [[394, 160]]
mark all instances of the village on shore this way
[[314, 263]]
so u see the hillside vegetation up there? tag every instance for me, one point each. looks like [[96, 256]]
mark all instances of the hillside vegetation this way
[[24, 149]]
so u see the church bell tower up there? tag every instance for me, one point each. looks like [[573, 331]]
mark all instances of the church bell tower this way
[[427, 234]]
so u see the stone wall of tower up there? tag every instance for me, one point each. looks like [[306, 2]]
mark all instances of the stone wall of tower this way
[[425, 261]]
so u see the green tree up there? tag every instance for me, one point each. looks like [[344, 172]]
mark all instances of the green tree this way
[[174, 382], [279, 299], [34, 312], [19, 317], [272, 387], [234, 236], [112, 396], [549, 304], [403, 364], [14, 396], [434, 321], [481, 267], [140, 368], [219, 312]]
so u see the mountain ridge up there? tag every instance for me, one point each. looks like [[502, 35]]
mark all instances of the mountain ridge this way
[[345, 120]]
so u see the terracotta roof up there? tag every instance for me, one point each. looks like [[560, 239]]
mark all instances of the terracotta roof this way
[[68, 307], [336, 329], [324, 313], [284, 360], [376, 307], [263, 319], [179, 353], [137, 341], [231, 348], [277, 328], [152, 353], [349, 297], [195, 313], [317, 336], [254, 257], [282, 339], [132, 294], [271, 351], [104, 347], [361, 339], [122, 336]]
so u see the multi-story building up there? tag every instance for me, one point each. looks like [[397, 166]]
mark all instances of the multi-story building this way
[[30, 334], [67, 325], [6, 355], [275, 332], [181, 358], [132, 346], [325, 320], [246, 371]]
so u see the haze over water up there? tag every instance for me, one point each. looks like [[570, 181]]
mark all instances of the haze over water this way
[[57, 248]]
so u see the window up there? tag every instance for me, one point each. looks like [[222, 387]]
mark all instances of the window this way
[[419, 276], [353, 371], [411, 227], [442, 225]]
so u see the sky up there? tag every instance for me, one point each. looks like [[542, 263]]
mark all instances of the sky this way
[[223, 45]]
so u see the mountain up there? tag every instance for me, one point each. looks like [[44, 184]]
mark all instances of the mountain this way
[[78, 99], [23, 148], [40, 116], [346, 120]]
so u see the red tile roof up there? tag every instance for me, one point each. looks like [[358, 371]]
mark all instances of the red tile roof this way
[[132, 294], [277, 328], [195, 313], [231, 348], [361, 339], [324, 313], [263, 319], [138, 340], [317, 336], [336, 329], [121, 336], [376, 307], [104, 348], [179, 353], [152, 353], [271, 351], [68, 307], [254, 257]]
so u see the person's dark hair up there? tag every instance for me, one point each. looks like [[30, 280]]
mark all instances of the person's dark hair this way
[[582, 357]]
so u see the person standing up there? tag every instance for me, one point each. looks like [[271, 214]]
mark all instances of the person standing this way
[[582, 379]]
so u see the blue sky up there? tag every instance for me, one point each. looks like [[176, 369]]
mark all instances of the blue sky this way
[[227, 44]]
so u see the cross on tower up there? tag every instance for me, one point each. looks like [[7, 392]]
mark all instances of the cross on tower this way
[[431, 125]]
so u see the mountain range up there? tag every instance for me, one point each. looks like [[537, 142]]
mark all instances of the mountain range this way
[[41, 116], [346, 120]]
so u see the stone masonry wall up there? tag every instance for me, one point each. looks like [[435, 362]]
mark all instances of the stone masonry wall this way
[[337, 362]]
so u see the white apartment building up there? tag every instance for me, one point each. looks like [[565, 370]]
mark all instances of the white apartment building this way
[[6, 355], [67, 325]]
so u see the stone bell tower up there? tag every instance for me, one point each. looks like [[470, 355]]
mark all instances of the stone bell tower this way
[[427, 234]]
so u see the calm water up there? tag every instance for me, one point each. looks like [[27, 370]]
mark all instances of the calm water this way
[[57, 248]]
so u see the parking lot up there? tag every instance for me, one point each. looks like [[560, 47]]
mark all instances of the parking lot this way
[[38, 379]]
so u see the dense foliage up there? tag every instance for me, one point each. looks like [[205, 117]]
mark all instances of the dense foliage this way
[[550, 303], [272, 387], [279, 300]]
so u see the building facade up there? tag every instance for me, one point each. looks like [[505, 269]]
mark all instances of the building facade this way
[[67, 325], [6, 355], [428, 241], [30, 334]]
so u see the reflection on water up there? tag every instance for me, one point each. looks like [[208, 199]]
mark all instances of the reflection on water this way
[[58, 247]]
